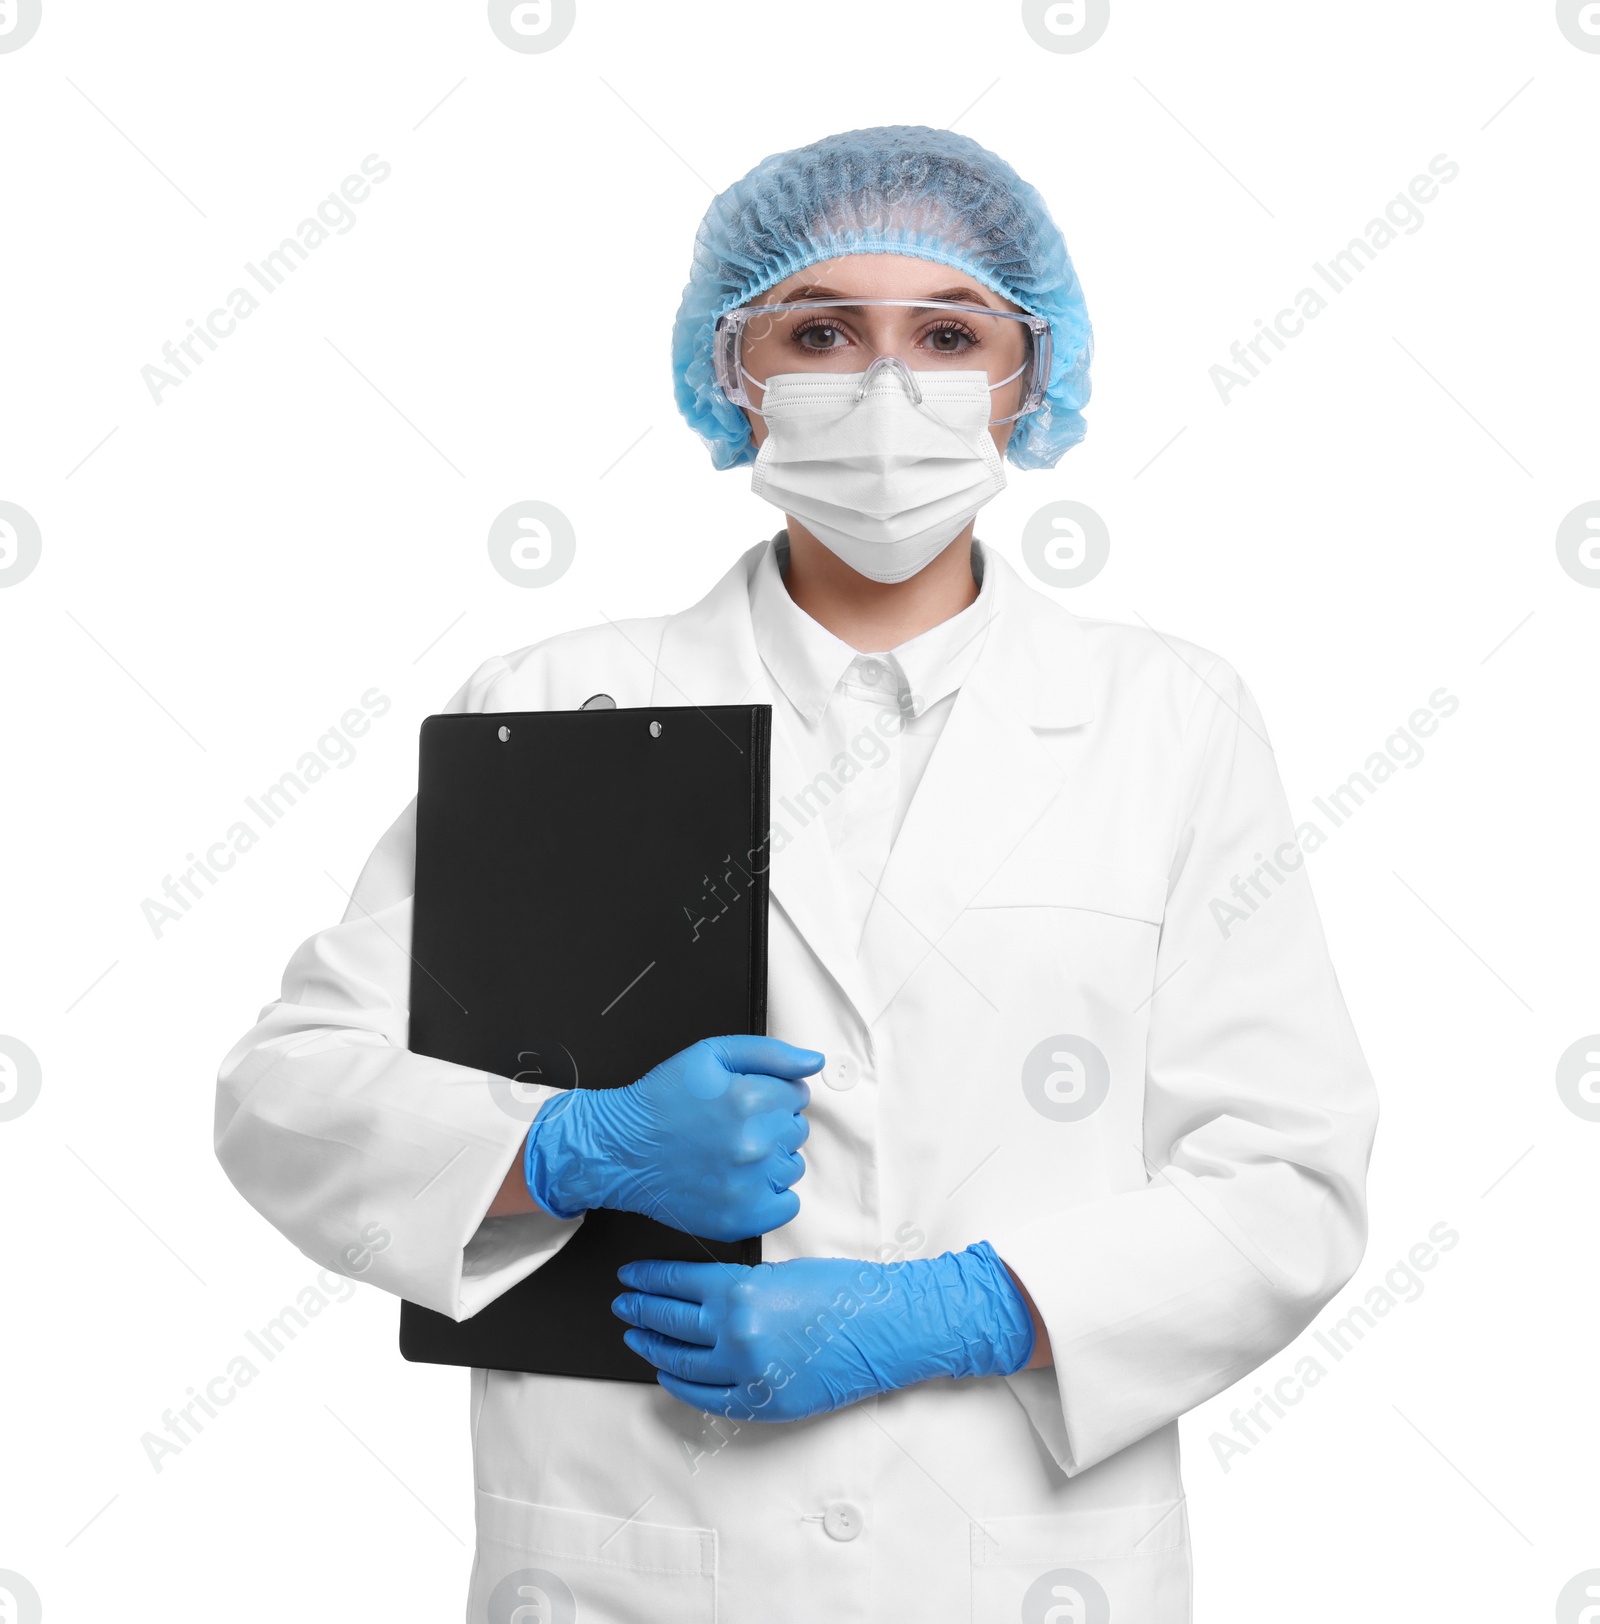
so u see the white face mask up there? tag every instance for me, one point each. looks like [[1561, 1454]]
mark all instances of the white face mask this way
[[885, 481]]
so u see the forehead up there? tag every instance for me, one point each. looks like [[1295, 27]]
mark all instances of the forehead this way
[[884, 276]]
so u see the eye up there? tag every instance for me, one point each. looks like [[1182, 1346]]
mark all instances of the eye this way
[[816, 334], [949, 338]]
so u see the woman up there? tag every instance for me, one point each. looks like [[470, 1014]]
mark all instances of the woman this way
[[1093, 1126]]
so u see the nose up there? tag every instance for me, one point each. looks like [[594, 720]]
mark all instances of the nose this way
[[896, 369]]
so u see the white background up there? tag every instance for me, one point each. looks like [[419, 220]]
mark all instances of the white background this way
[[1371, 519]]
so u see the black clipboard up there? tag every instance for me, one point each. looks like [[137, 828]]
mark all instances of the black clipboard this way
[[591, 897]]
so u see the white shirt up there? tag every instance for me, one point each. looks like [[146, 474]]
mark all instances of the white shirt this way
[[865, 724]]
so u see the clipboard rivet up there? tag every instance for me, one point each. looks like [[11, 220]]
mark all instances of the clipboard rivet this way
[[505, 733], [655, 730]]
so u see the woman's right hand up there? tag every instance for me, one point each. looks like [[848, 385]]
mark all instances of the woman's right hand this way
[[706, 1142]]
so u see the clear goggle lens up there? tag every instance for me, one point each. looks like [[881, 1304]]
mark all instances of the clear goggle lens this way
[[757, 342]]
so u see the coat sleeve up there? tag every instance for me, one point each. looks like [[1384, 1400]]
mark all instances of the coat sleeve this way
[[374, 1161], [1259, 1114]]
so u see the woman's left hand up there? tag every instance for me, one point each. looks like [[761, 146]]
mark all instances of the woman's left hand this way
[[780, 1341]]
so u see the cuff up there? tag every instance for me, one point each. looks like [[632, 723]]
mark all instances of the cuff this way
[[505, 1251]]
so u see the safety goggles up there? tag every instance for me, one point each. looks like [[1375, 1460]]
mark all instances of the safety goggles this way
[[756, 342]]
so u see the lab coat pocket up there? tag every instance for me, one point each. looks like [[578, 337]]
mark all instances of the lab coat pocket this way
[[1034, 880], [548, 1565], [1118, 1565], [1063, 942]]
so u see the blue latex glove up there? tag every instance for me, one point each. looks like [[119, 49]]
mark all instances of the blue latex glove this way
[[705, 1142], [780, 1341]]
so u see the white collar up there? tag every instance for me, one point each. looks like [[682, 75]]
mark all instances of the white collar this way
[[1040, 669], [807, 661]]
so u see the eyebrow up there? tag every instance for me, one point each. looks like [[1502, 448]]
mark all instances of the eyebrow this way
[[958, 295]]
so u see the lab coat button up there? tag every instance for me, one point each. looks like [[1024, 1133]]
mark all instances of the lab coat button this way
[[840, 1073], [842, 1520]]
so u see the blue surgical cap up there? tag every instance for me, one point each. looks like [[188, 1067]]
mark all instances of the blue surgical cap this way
[[898, 189]]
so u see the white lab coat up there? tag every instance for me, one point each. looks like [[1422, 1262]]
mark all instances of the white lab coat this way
[[1065, 871]]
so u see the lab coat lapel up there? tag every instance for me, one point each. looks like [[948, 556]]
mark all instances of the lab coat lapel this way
[[989, 780], [708, 656]]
